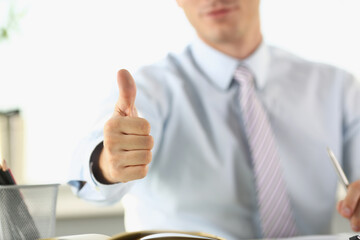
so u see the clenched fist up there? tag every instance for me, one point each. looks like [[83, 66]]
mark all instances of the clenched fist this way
[[127, 144]]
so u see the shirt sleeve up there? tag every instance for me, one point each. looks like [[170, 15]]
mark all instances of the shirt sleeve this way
[[351, 127]]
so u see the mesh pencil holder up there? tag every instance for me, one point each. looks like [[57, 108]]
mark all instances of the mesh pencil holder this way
[[27, 212]]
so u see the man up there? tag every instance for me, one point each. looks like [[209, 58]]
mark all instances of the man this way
[[199, 161]]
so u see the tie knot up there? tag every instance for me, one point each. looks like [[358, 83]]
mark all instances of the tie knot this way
[[243, 76]]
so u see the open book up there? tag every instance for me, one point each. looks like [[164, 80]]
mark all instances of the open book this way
[[144, 235], [176, 235]]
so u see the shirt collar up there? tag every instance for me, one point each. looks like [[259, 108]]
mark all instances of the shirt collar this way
[[220, 68]]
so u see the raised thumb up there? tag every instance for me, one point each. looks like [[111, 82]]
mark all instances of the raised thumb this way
[[125, 105]]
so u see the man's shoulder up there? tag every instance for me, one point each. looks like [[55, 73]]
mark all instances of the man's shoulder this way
[[169, 65], [294, 62], [282, 55]]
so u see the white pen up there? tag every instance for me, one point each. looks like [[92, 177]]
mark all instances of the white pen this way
[[338, 168]]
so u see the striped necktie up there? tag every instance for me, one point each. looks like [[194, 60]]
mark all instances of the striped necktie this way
[[274, 205]]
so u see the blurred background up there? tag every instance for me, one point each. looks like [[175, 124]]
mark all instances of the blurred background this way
[[58, 61]]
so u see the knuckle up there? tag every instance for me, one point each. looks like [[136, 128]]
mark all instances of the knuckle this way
[[130, 174], [142, 172], [110, 125], [145, 126], [148, 157], [149, 142]]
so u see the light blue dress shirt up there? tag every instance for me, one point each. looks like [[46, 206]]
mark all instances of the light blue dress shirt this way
[[201, 176]]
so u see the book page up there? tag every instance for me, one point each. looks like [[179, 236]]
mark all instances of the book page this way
[[341, 236], [164, 234], [173, 235]]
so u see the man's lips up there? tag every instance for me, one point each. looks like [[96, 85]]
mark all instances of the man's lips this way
[[218, 12]]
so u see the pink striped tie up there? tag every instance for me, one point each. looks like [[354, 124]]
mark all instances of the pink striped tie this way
[[274, 205]]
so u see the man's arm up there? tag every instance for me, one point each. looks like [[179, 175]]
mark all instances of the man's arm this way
[[117, 152]]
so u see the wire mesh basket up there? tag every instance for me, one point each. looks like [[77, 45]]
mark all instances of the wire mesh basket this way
[[27, 212]]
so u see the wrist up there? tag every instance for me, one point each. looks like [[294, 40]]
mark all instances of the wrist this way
[[95, 164]]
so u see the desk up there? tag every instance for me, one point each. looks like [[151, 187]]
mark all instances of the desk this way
[[76, 216]]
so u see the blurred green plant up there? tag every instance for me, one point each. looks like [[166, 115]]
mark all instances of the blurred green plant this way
[[10, 18]]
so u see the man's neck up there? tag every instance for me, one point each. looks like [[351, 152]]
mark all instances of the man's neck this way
[[240, 48]]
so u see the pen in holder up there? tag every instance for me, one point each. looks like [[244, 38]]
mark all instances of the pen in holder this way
[[27, 212], [356, 237]]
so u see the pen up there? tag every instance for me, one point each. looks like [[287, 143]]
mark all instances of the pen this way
[[6, 176], [338, 169], [2, 178], [355, 237]]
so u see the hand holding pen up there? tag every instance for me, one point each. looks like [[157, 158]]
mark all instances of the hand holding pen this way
[[349, 207]]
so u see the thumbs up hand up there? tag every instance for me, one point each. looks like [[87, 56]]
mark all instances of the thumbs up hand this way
[[127, 143]]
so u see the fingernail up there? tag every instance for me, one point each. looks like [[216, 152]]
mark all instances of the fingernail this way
[[346, 211]]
